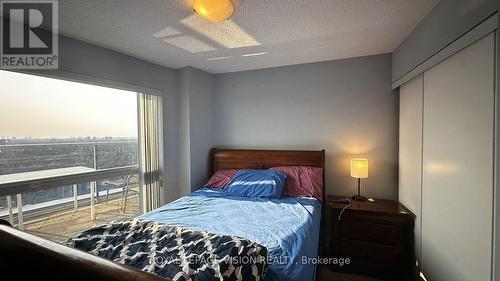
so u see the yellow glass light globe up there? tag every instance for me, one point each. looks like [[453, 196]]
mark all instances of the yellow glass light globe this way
[[214, 10]]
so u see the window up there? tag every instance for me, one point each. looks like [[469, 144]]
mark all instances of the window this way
[[70, 156]]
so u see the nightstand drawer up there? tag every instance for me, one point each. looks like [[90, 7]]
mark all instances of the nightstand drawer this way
[[371, 232], [376, 235], [370, 252]]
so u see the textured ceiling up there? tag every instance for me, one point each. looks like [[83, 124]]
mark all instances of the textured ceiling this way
[[261, 33]]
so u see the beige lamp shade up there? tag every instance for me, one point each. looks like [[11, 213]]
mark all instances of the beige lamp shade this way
[[359, 168], [214, 10]]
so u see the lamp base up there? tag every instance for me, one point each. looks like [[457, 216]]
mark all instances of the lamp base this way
[[358, 198]]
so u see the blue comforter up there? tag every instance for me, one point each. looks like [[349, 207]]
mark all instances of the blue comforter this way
[[288, 227]]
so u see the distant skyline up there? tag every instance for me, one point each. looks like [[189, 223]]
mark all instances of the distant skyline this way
[[13, 140], [40, 107], [62, 138]]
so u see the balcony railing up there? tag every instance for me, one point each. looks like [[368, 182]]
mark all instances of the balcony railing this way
[[11, 185], [33, 182]]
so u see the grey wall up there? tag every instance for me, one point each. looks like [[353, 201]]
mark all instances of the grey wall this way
[[184, 134], [196, 127], [446, 22], [496, 189], [202, 119], [344, 106]]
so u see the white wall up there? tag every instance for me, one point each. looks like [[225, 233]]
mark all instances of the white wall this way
[[344, 106]]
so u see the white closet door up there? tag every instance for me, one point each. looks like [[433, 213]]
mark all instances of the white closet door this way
[[458, 166], [410, 151]]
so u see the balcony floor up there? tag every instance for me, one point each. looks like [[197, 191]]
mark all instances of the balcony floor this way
[[58, 226]]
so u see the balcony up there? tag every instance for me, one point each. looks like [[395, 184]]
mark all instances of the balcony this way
[[59, 202], [60, 225]]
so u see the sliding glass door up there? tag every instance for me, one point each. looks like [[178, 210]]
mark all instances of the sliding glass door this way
[[74, 155]]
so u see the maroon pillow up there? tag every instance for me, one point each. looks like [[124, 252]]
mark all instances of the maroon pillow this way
[[221, 178], [302, 181]]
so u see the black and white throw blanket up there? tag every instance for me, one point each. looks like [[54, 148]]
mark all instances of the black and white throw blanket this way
[[177, 253]]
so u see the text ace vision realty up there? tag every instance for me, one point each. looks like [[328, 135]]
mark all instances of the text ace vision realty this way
[[29, 37]]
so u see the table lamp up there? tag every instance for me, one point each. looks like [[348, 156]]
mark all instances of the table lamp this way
[[359, 170]]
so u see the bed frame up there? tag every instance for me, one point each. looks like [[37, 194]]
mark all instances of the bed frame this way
[[28, 257]]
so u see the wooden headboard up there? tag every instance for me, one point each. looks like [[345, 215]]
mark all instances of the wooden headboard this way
[[222, 159]]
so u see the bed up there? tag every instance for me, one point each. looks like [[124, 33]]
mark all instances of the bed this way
[[289, 227]]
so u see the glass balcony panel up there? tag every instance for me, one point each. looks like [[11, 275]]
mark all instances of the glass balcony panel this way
[[56, 213]]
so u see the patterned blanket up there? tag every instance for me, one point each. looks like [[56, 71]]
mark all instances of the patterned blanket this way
[[173, 252]]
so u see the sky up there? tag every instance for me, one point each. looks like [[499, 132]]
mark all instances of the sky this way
[[40, 107]]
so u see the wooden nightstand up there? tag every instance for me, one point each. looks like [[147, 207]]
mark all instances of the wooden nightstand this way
[[376, 236]]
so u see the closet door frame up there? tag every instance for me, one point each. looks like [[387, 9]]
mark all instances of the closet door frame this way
[[496, 172]]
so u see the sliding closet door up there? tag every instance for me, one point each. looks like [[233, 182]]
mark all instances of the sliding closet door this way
[[410, 151], [458, 166]]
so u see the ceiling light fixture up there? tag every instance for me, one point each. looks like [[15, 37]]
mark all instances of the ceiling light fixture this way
[[214, 10]]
